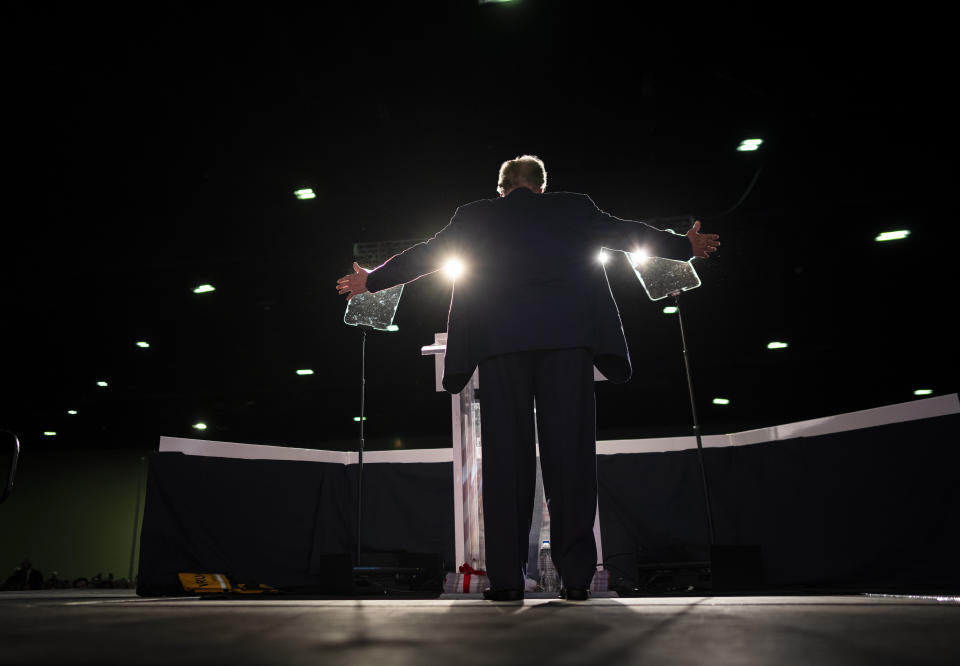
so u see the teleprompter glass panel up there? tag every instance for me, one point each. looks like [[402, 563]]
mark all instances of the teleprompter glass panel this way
[[375, 310], [662, 277]]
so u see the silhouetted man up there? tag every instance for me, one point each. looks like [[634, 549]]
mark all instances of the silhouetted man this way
[[534, 312]]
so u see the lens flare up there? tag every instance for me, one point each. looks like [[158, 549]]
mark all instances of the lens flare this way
[[453, 268], [638, 256]]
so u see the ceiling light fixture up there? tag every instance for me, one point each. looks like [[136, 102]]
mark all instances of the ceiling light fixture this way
[[892, 235]]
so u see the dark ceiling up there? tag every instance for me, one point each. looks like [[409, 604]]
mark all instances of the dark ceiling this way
[[155, 149]]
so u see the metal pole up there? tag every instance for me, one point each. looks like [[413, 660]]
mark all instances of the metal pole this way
[[363, 392], [136, 516], [696, 423]]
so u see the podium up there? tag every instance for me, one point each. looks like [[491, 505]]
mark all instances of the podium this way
[[467, 468]]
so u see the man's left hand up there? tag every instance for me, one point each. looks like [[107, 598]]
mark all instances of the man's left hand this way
[[353, 283], [702, 244]]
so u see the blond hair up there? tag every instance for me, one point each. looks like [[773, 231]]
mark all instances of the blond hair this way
[[523, 171]]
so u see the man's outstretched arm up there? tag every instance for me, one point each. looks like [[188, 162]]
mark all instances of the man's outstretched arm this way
[[628, 235], [409, 265], [413, 263]]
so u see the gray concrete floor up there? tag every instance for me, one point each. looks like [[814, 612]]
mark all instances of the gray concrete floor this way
[[117, 627]]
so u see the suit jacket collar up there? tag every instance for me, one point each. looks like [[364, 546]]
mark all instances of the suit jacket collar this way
[[522, 191]]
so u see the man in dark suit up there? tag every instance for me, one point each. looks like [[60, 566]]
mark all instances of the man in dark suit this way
[[534, 312]]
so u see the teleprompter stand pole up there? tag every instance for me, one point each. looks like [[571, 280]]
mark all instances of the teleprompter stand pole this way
[[696, 423], [382, 573], [718, 567], [363, 395], [731, 566]]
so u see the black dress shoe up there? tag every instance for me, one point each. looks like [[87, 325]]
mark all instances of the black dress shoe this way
[[502, 594], [575, 594]]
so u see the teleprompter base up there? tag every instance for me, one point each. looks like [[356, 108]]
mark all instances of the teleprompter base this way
[[716, 568]]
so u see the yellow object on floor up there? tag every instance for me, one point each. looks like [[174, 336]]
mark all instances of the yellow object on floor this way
[[205, 583]]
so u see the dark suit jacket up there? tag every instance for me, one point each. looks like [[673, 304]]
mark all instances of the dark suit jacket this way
[[532, 279]]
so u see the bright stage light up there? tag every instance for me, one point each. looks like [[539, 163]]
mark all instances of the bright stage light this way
[[892, 235], [638, 256], [200, 426], [102, 384], [603, 257], [357, 418], [143, 344], [721, 401], [670, 309], [305, 193], [305, 371], [777, 345], [392, 328], [453, 268], [923, 392], [49, 433], [748, 145], [72, 412], [204, 289]]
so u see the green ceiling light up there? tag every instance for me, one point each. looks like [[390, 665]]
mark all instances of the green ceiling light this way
[[892, 235], [143, 344], [357, 418], [670, 309], [721, 401], [200, 425], [72, 412], [305, 371], [923, 392], [393, 327], [50, 433], [748, 145], [305, 193], [777, 345], [102, 384], [204, 289]]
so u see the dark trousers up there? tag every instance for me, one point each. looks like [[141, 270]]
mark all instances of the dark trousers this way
[[560, 381]]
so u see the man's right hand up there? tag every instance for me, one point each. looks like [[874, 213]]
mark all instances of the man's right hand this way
[[702, 244]]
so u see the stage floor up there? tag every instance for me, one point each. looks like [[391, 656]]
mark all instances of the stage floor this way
[[117, 627]]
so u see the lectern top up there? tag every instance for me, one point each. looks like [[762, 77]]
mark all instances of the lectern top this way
[[439, 349]]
